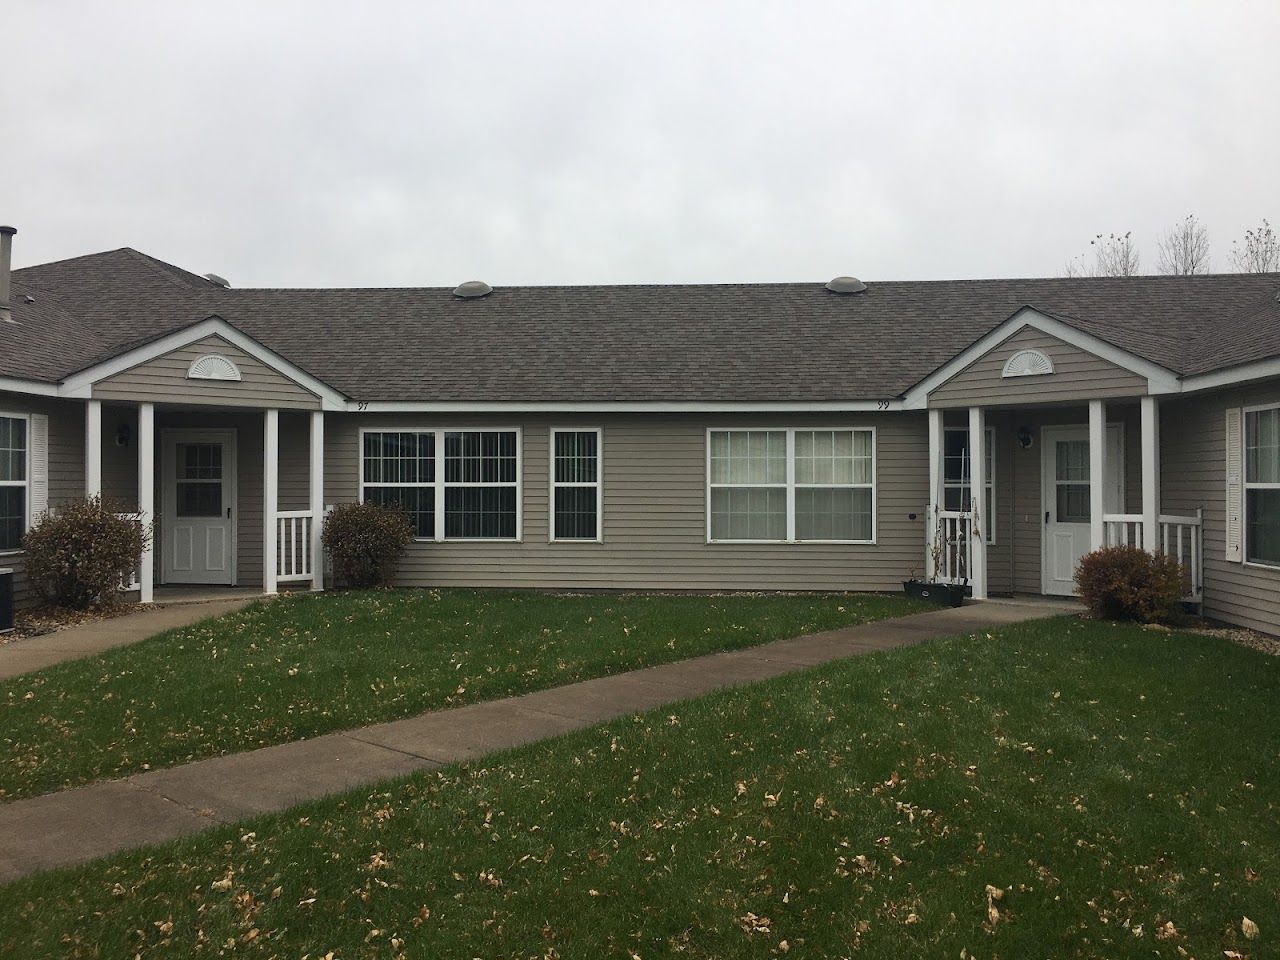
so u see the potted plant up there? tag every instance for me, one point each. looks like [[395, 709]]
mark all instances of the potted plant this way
[[946, 594]]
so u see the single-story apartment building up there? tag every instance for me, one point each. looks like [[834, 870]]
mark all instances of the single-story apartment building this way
[[782, 436]]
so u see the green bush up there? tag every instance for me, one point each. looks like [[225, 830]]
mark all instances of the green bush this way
[[365, 542], [1127, 583], [79, 557]]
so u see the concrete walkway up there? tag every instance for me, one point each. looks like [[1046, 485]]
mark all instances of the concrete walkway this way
[[84, 640], [77, 825]]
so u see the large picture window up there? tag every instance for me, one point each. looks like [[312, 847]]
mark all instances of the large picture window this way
[[575, 484], [956, 472], [1262, 486], [791, 485], [13, 481], [475, 496]]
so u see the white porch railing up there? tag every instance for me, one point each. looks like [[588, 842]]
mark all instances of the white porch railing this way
[[1180, 537], [954, 529], [134, 582], [294, 562]]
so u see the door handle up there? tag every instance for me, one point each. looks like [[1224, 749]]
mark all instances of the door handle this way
[[228, 513], [1046, 517]]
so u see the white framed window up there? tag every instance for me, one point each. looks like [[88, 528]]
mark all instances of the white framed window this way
[[955, 476], [792, 485], [15, 477], [454, 484], [1262, 485], [577, 486]]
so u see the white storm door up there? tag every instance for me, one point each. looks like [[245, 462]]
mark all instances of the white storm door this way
[[1065, 490], [199, 470]]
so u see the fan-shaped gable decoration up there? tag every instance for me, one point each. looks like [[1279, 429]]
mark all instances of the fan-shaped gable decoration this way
[[212, 366], [1027, 363]]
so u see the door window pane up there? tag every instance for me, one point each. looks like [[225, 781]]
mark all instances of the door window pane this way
[[1073, 503], [200, 461], [199, 480], [199, 499], [1073, 460]]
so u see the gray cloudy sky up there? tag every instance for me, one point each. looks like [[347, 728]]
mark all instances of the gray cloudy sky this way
[[317, 143]]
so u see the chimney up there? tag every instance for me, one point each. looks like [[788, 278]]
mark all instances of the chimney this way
[[6, 260]]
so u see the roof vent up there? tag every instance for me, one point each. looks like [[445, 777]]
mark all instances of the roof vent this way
[[472, 290], [846, 285], [220, 281]]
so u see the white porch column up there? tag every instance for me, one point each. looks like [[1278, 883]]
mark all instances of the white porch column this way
[[977, 500], [147, 495], [1097, 472], [93, 449], [270, 496], [1151, 474], [317, 499], [935, 492]]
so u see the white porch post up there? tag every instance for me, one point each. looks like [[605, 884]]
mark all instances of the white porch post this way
[[935, 492], [1097, 472], [93, 449], [270, 496], [147, 496], [977, 499], [317, 498], [1151, 474]]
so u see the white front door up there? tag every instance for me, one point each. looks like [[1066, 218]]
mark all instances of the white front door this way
[[198, 524], [1064, 484]]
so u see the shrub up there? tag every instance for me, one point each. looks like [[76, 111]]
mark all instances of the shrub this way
[[365, 542], [1127, 583], [79, 556]]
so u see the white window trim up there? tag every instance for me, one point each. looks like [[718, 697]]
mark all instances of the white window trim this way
[[791, 485], [1246, 486], [555, 485], [25, 484], [989, 523], [439, 486]]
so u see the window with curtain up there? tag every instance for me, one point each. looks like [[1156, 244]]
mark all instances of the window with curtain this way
[[1262, 486], [13, 481], [477, 493], [791, 485], [575, 484], [955, 476]]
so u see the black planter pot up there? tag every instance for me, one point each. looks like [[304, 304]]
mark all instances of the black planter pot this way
[[945, 594]]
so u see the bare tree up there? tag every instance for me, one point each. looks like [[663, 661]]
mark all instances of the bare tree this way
[[1260, 252], [1184, 248], [1114, 255]]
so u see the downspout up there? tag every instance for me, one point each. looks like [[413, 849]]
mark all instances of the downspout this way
[[6, 262]]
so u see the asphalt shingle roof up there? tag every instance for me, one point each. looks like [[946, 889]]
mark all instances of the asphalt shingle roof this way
[[714, 342]]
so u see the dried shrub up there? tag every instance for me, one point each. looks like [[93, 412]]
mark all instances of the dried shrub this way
[[1127, 583], [80, 556], [365, 542]]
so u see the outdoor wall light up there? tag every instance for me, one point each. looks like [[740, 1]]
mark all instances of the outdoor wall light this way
[[123, 435], [1025, 438]]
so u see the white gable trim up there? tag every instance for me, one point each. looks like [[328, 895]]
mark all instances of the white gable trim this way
[[1159, 379], [81, 384], [1246, 372]]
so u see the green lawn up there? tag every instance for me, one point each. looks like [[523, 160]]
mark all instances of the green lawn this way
[[301, 666], [1109, 781]]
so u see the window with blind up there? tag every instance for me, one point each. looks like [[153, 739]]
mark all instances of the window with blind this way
[[955, 476], [473, 495], [791, 485], [13, 481], [576, 485], [1262, 486]]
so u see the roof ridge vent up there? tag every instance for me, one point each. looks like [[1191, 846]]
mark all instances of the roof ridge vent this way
[[846, 285], [472, 290]]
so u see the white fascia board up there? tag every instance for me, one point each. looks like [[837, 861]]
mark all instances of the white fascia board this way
[[1159, 379], [606, 406], [81, 384], [34, 387], [1245, 373]]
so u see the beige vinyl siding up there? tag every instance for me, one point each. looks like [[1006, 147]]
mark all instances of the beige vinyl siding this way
[[654, 519], [1193, 465], [66, 466], [1077, 375], [164, 380]]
